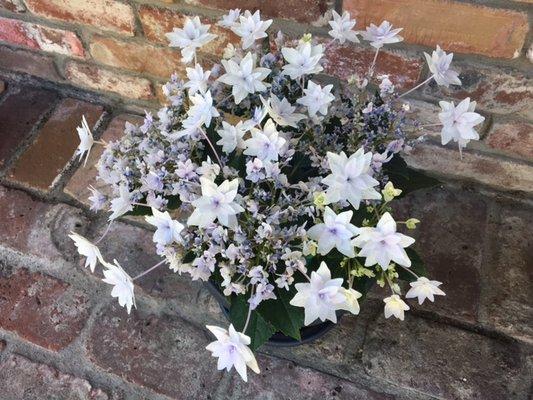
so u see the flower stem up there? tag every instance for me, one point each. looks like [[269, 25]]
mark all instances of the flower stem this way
[[416, 87], [249, 313], [411, 272], [148, 270], [373, 65], [104, 234], [212, 147]]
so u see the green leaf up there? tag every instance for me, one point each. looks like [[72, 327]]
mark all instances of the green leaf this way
[[417, 266], [258, 329], [283, 316], [405, 178]]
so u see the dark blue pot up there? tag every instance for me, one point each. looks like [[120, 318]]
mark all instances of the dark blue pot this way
[[308, 333]]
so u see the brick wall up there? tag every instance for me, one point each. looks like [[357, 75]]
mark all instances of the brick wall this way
[[118, 48], [61, 336]]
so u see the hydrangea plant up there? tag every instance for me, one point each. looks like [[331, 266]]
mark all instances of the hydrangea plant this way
[[273, 183]]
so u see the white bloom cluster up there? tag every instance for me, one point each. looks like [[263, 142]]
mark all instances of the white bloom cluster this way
[[259, 175]]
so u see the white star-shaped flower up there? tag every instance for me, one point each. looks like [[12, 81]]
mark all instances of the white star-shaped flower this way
[[342, 28], [265, 144], [200, 113], [86, 140], [197, 79], [350, 178], [382, 244], [122, 204], [316, 99], [243, 77], [351, 304], [250, 28], [122, 284], [302, 60], [216, 202], [394, 305], [458, 122], [423, 288], [168, 230], [231, 349], [231, 136], [193, 35], [282, 112], [336, 231], [383, 34], [321, 297], [87, 249], [230, 19], [439, 65]]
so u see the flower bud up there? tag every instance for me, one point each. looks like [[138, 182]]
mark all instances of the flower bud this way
[[411, 223], [390, 192]]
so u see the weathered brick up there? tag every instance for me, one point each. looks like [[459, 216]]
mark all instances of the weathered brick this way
[[166, 355], [3, 345], [41, 309], [134, 249], [18, 113], [299, 10], [500, 91], [441, 360], [25, 379], [450, 219], [345, 60], [513, 137], [280, 379], [2, 87], [101, 14], [33, 227], [455, 26], [35, 168], [497, 173], [143, 58], [13, 5], [157, 21], [508, 273], [40, 37], [29, 63], [94, 77]]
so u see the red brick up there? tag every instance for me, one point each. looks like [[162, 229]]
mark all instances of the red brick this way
[[42, 309], [94, 77], [442, 361], [494, 172], [36, 168], [18, 113], [158, 21], [29, 63], [78, 186], [101, 14], [454, 217], [513, 137], [143, 58], [500, 91], [166, 355], [13, 5], [25, 379], [344, 61], [40, 37], [299, 10], [455, 26]]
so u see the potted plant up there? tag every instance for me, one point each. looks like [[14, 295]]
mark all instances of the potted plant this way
[[274, 185]]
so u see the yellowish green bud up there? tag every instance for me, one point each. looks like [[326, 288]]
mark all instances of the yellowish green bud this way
[[310, 248], [307, 37], [390, 192], [319, 199], [411, 223]]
